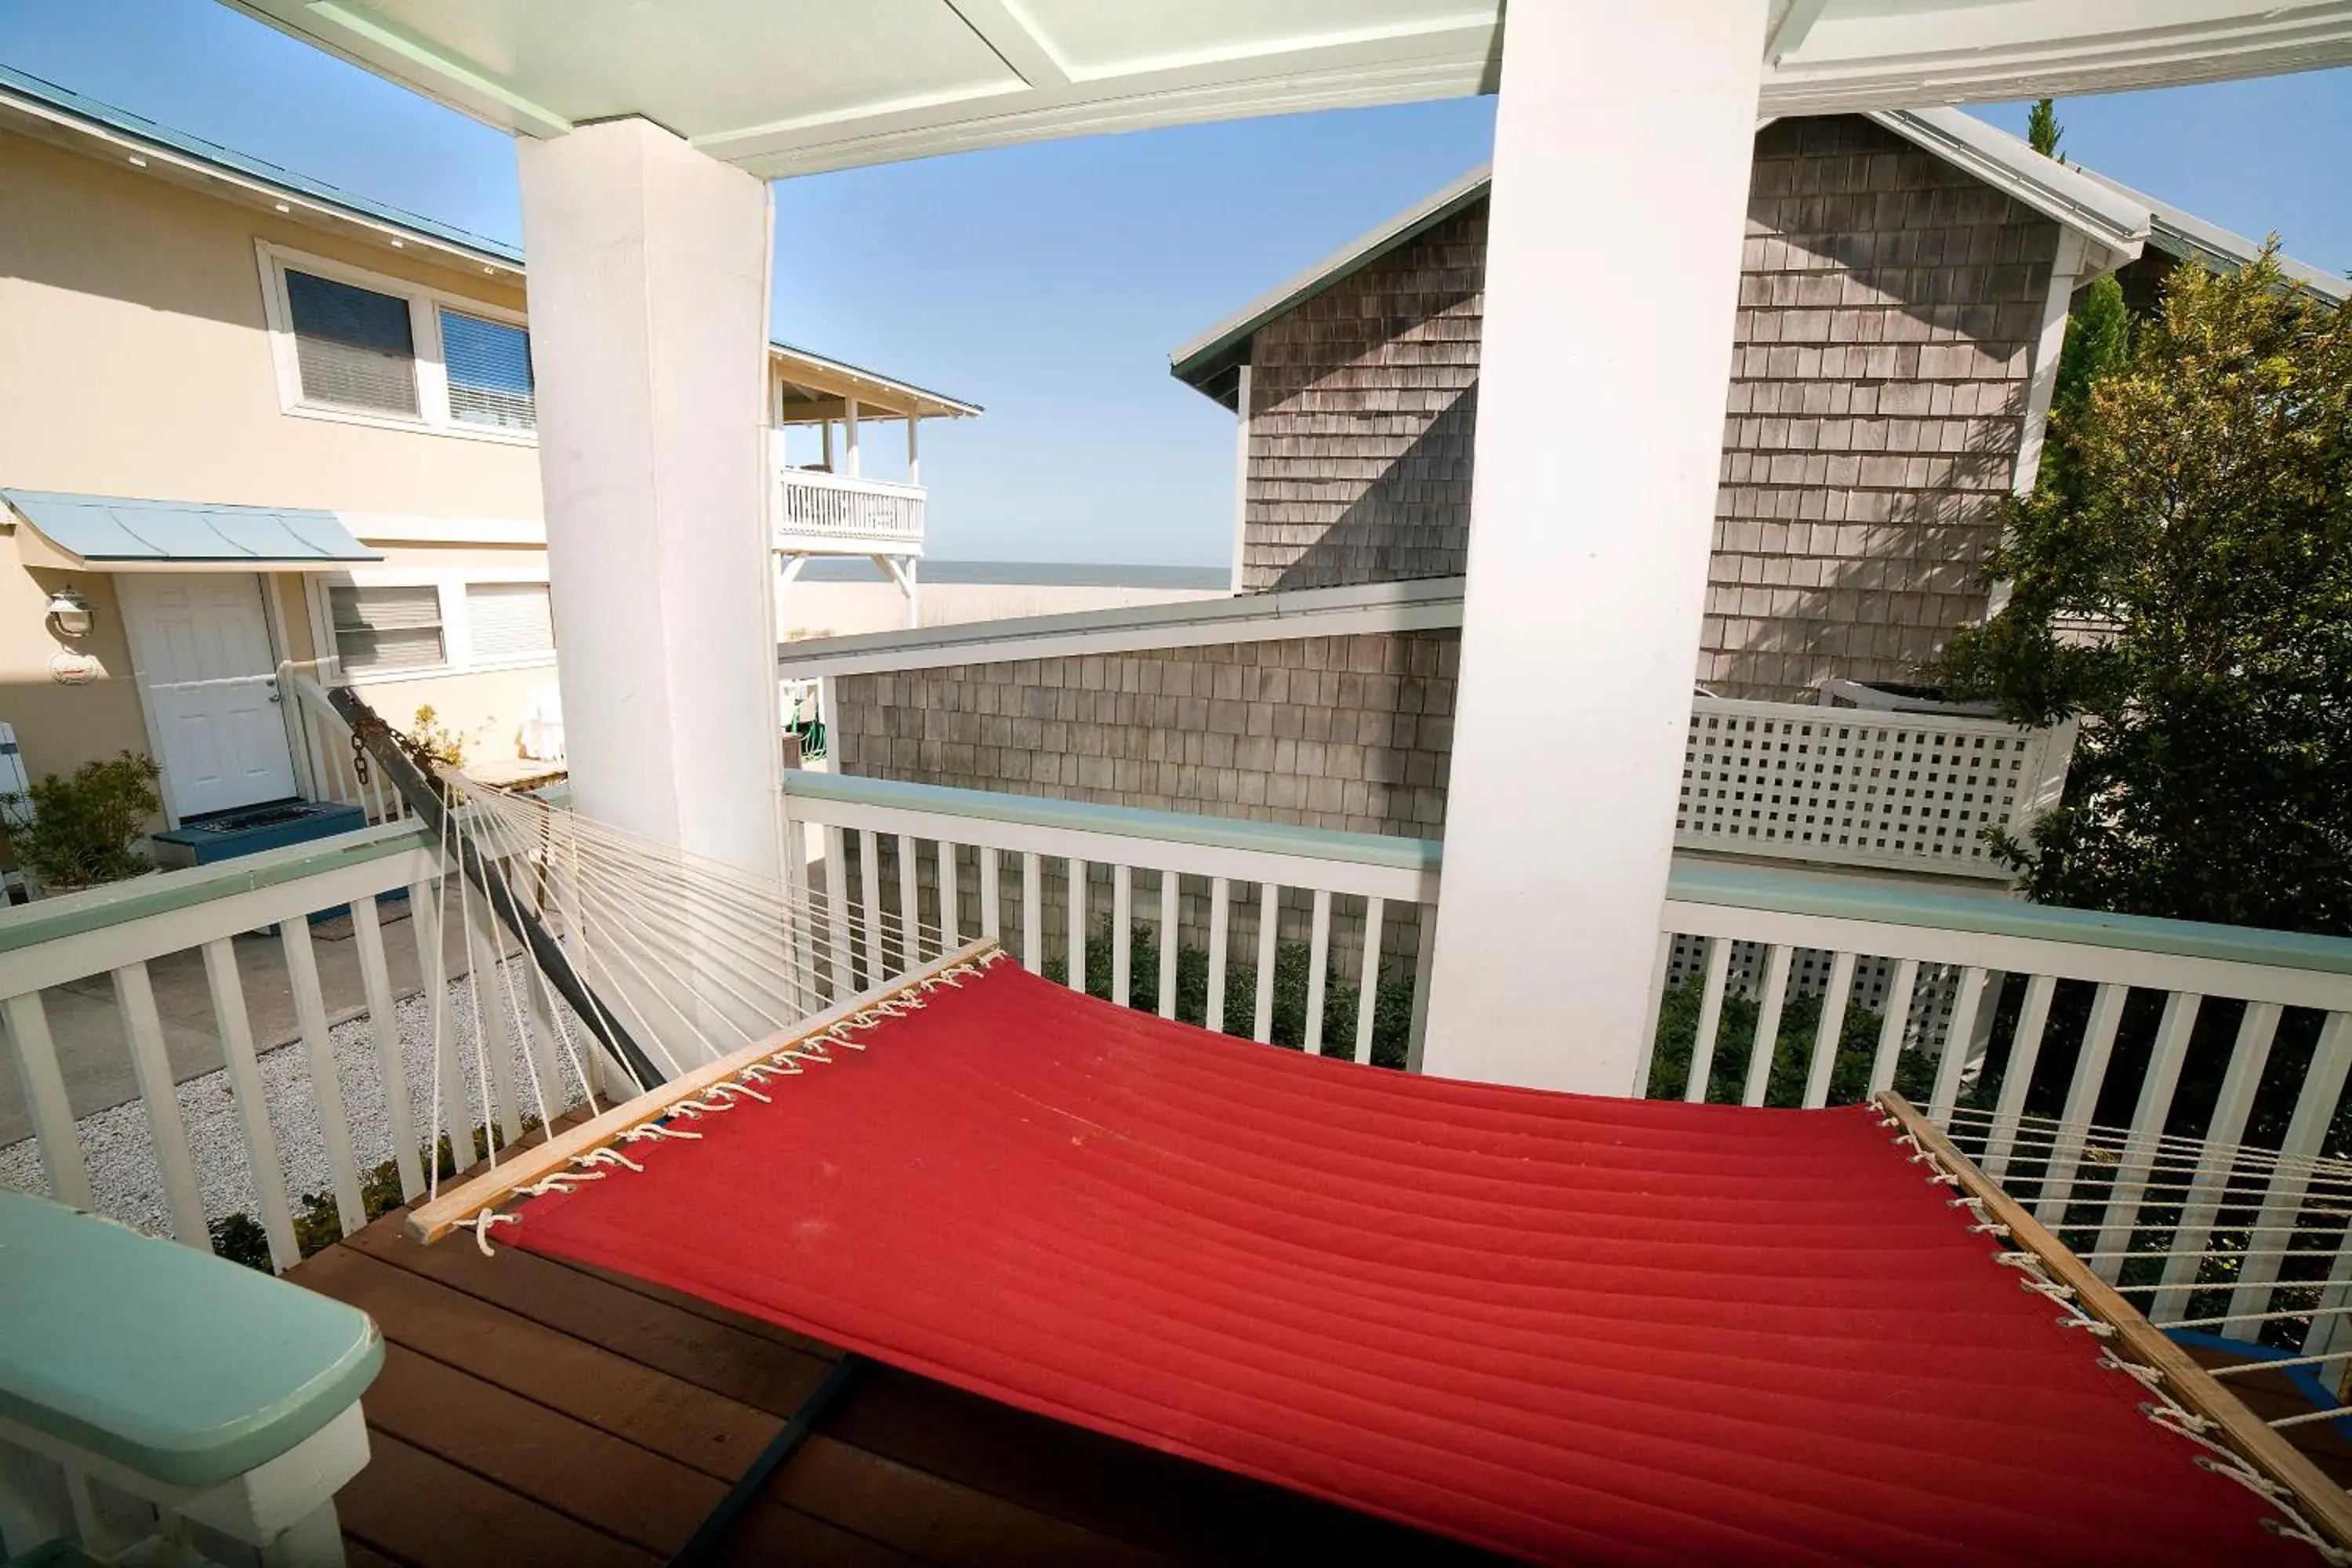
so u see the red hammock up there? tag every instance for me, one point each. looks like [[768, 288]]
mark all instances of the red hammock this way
[[1571, 1329]]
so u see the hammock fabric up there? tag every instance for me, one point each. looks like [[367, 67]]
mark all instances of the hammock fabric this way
[[1571, 1328]]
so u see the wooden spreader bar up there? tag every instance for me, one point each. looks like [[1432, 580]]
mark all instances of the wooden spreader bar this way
[[2326, 1506], [527, 1166]]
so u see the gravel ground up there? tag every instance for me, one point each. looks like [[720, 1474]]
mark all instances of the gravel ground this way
[[121, 1151]]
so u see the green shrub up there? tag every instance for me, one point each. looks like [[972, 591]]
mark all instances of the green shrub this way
[[77, 832], [1793, 1052]]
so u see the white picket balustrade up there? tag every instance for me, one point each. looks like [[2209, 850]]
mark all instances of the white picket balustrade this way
[[2027, 1102], [818, 511], [335, 771], [119, 930], [1184, 881]]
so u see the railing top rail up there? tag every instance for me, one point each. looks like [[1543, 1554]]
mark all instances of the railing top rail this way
[[1885, 903], [72, 914], [819, 479], [1419, 855]]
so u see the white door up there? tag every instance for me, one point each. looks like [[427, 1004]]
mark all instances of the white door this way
[[202, 646]]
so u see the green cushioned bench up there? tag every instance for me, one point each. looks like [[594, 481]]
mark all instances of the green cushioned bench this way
[[171, 1372]]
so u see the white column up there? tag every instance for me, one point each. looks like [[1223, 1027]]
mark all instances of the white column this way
[[649, 327], [849, 435], [914, 450], [1622, 142]]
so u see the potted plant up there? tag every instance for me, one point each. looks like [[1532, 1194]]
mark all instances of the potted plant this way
[[72, 832]]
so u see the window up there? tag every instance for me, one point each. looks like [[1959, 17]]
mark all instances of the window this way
[[380, 629], [354, 346], [509, 621], [361, 347], [489, 372]]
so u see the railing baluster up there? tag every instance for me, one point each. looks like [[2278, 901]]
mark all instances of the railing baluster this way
[[869, 888], [319, 1052], [1033, 913], [1710, 1014], [2017, 1077], [2306, 1134], [1122, 917], [1318, 965], [910, 906], [384, 1024], [432, 968], [2149, 1117], [1767, 1025], [991, 890], [1220, 907], [2081, 1101], [1645, 1050], [134, 999], [1898, 1023], [951, 917], [1829, 1033], [1263, 1029], [1367, 982], [2249, 1055], [837, 909], [1077, 924], [1960, 1036], [1169, 887], [44, 1088], [1424, 956], [496, 1042], [235, 1028]]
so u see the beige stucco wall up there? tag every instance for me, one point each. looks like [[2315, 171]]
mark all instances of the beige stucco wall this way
[[138, 358], [137, 362]]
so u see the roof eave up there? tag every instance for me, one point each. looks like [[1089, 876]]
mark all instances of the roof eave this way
[[2100, 212]]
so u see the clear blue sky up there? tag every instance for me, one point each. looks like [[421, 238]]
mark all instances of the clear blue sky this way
[[1049, 282]]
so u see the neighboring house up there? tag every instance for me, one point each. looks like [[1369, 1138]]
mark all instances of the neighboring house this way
[[248, 417], [1905, 286]]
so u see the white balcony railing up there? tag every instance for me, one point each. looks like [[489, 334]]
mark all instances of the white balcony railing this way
[[835, 513], [2005, 1019], [1911, 792]]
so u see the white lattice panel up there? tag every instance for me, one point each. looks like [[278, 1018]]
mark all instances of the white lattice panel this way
[[1846, 786]]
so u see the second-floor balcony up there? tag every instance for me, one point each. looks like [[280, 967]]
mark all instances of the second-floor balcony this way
[[821, 513]]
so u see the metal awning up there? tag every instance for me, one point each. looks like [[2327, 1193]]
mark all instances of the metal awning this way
[[117, 534]]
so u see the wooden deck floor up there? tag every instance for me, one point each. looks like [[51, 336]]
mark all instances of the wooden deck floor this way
[[534, 1412]]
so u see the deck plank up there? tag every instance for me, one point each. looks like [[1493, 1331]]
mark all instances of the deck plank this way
[[1175, 1507], [710, 1432], [934, 1519], [718, 1357], [419, 1510], [561, 1463]]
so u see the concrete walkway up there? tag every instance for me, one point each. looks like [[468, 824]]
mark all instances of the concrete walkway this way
[[96, 1059]]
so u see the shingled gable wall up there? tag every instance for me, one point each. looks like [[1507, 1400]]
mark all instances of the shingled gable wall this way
[[1885, 330]]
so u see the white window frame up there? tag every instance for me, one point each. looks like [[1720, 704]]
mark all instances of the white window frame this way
[[424, 307], [457, 618]]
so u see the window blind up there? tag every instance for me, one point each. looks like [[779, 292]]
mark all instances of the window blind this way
[[489, 372], [510, 620], [387, 628], [353, 344]]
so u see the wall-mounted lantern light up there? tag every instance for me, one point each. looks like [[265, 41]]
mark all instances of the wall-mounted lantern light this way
[[70, 615]]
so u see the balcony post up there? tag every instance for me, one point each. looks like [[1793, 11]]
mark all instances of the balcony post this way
[[914, 450], [1622, 142], [648, 317], [849, 433]]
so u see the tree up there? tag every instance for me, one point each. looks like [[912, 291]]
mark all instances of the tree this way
[[2187, 590], [2098, 345], [2043, 130]]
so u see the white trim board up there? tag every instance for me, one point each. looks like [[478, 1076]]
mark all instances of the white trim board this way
[[1426, 605]]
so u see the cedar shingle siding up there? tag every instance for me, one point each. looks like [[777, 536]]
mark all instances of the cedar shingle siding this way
[[1888, 309], [1887, 313]]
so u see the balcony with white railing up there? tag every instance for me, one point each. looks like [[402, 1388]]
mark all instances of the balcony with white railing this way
[[821, 513]]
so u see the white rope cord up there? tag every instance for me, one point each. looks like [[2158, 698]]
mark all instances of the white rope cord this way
[[2083, 1138], [2163, 1407], [2271, 1316], [437, 1002], [2240, 1371], [474, 1005]]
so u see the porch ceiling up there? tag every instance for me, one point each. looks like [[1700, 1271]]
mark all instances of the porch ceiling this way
[[789, 87]]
